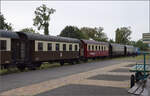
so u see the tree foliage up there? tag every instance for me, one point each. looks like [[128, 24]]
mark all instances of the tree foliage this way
[[141, 45], [88, 32], [111, 41], [72, 32], [123, 35], [42, 18], [132, 43], [30, 30], [94, 33], [4, 25], [100, 35]]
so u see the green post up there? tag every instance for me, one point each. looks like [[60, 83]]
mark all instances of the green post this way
[[144, 65]]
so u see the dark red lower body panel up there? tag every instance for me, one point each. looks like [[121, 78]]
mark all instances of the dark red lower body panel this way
[[96, 53]]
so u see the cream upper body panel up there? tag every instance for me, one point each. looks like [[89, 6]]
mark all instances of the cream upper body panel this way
[[99, 47], [45, 47]]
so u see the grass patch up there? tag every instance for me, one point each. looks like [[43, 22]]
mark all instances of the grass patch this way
[[139, 57], [47, 65], [8, 71]]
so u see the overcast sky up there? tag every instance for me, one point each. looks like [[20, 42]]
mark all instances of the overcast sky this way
[[107, 14]]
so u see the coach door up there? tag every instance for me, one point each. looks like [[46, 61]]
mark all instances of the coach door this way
[[82, 50], [15, 47], [22, 50]]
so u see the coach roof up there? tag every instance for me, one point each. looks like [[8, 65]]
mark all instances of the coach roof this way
[[115, 44], [129, 46], [8, 34], [35, 36], [94, 42]]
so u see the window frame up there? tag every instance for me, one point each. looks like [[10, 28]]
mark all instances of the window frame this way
[[96, 48], [64, 47], [39, 47], [93, 47], [3, 48], [49, 46], [89, 47], [99, 47], [75, 47], [70, 48], [102, 48], [57, 48]]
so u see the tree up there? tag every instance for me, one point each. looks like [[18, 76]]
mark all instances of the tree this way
[[111, 41], [72, 32], [4, 25], [123, 35], [30, 30], [94, 33], [100, 35], [141, 45], [42, 18], [132, 43], [88, 32]]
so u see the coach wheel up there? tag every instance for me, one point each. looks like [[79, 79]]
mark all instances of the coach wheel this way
[[77, 61], [94, 58], [61, 63], [85, 60], [132, 81], [38, 65], [21, 68], [31, 67], [72, 63]]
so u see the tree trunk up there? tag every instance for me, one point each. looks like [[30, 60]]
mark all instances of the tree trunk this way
[[46, 30]]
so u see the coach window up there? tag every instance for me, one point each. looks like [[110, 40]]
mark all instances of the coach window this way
[[102, 48], [70, 47], [49, 47], [3, 45], [64, 47], [89, 47], [40, 46], [99, 47], [57, 47], [76, 47], [96, 48], [93, 47]]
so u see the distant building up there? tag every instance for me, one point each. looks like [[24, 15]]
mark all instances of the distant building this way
[[146, 38]]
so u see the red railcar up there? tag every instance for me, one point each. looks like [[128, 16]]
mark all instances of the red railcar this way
[[93, 49]]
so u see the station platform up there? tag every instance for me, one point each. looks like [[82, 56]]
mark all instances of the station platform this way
[[111, 80]]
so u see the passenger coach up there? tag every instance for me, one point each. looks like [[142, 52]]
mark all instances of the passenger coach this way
[[38, 48], [93, 49], [9, 42], [116, 50], [27, 50], [130, 50]]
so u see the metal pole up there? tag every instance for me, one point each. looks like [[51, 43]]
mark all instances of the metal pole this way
[[144, 65]]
